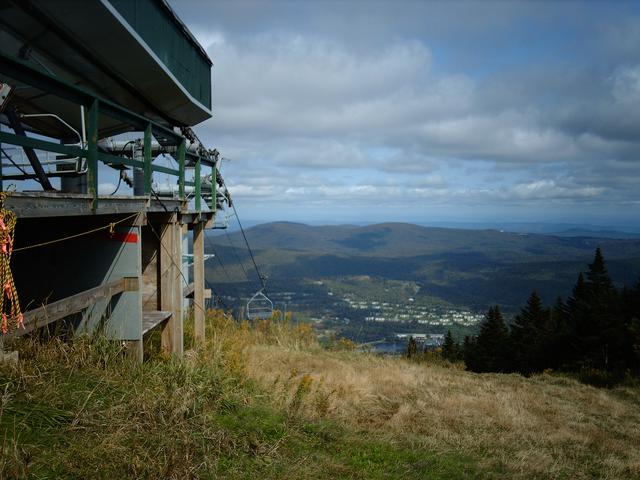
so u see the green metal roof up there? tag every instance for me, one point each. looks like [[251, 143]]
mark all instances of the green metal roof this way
[[165, 34]]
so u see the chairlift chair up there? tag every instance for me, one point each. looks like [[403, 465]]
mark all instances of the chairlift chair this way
[[259, 307]]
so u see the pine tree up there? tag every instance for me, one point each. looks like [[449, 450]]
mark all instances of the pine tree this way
[[557, 353], [577, 306], [492, 345], [412, 348], [577, 303], [633, 309], [598, 328], [449, 348], [470, 353], [530, 333], [630, 306], [598, 279]]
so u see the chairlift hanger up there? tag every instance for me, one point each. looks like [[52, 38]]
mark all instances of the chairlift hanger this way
[[259, 307]]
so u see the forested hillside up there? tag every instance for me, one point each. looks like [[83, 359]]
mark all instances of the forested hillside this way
[[471, 268]]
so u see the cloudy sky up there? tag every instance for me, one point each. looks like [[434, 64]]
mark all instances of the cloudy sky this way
[[425, 112]]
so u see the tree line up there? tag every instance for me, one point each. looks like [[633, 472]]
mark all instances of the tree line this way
[[595, 332]]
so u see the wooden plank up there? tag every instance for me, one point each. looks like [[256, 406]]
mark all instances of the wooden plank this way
[[188, 292], [131, 284], [198, 282], [177, 318], [152, 318], [46, 314], [165, 287]]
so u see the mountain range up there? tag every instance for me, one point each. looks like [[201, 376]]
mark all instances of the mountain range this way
[[472, 268]]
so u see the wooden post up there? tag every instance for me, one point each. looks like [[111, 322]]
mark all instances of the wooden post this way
[[165, 250], [178, 295], [136, 347], [198, 281]]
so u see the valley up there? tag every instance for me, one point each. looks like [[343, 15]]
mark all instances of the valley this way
[[373, 283]]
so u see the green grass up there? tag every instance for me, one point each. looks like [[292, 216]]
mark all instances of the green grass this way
[[83, 410]]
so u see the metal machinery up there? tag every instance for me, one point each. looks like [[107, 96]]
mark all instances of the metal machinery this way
[[74, 77]]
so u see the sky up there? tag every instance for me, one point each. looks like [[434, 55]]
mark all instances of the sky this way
[[366, 112]]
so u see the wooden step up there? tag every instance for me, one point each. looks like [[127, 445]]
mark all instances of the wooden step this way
[[152, 318]]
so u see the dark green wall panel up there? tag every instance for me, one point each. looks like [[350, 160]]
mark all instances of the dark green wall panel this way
[[164, 34]]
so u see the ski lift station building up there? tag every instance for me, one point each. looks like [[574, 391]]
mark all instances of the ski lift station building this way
[[105, 92]]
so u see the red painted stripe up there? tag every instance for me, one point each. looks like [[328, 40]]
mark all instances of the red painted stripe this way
[[124, 237]]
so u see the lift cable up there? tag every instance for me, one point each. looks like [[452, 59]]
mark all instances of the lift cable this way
[[235, 253], [260, 276], [259, 306], [215, 254]]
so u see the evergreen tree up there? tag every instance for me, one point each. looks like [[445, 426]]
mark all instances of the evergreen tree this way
[[577, 303], [576, 308], [598, 327], [449, 348], [412, 348], [470, 353], [529, 334], [598, 280], [557, 352], [630, 300], [492, 346]]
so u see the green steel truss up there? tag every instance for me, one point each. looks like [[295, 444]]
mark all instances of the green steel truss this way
[[95, 105]]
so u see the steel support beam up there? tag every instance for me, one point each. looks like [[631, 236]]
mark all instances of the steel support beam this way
[[92, 153], [147, 159], [12, 139], [16, 124], [214, 200], [181, 150], [198, 181]]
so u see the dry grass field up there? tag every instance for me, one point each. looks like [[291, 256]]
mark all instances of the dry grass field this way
[[547, 426], [268, 402]]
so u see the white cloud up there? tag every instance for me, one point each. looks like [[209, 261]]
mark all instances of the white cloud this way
[[549, 189], [106, 188], [208, 39], [626, 84], [314, 114]]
